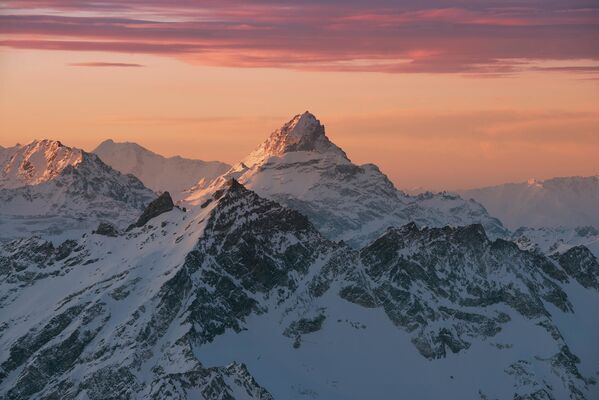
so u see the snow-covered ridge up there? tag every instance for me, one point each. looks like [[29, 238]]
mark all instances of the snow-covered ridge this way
[[557, 202], [35, 163], [171, 174]]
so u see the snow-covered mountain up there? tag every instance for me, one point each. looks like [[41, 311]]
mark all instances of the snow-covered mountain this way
[[559, 202], [242, 298], [298, 166], [172, 174], [57, 191]]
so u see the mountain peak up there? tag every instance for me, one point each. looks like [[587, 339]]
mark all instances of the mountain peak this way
[[303, 132], [107, 142], [37, 162], [301, 123]]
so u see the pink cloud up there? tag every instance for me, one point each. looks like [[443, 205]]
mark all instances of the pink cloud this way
[[105, 64], [379, 35]]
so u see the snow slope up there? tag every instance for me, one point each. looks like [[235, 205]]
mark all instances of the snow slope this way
[[156, 312], [559, 202], [59, 192], [173, 174], [299, 166]]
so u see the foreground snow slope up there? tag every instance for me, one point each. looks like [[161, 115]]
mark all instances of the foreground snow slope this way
[[60, 192], [172, 174], [299, 167], [160, 310], [559, 202]]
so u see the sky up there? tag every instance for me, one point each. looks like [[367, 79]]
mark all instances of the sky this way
[[442, 95]]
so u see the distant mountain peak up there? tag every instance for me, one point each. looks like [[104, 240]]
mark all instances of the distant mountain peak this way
[[159, 173], [303, 132]]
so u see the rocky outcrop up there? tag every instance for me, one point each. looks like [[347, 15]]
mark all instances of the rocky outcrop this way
[[106, 229], [164, 203]]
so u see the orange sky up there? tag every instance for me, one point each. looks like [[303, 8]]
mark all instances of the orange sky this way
[[431, 129]]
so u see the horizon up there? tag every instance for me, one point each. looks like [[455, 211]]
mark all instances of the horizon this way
[[438, 96]]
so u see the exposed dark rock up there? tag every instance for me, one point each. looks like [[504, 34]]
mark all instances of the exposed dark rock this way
[[587, 231], [65, 249], [106, 229], [164, 203], [28, 344], [582, 265], [304, 326]]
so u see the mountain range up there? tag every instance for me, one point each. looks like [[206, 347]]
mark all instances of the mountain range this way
[[296, 274]]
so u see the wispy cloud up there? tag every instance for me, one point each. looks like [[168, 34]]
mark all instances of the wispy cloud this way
[[491, 37], [105, 64], [580, 69]]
